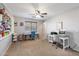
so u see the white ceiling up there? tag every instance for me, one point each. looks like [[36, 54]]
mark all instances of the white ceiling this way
[[27, 9]]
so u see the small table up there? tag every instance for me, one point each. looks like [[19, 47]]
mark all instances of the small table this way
[[65, 42]]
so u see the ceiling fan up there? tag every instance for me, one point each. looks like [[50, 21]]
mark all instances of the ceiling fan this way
[[39, 14]]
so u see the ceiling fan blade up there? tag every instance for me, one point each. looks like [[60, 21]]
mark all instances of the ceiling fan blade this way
[[37, 11], [42, 16], [44, 13]]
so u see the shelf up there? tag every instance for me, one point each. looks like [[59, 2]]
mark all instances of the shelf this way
[[5, 37]]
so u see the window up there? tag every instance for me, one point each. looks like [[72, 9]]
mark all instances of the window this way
[[30, 26], [34, 26]]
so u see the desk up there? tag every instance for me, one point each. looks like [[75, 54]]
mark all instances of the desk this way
[[28, 36]]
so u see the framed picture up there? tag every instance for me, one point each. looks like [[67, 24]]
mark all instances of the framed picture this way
[[21, 24], [2, 11]]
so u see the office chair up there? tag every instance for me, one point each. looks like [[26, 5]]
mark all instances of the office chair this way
[[33, 35], [55, 39]]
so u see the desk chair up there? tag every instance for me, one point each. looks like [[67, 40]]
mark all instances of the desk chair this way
[[33, 35], [55, 39], [54, 35]]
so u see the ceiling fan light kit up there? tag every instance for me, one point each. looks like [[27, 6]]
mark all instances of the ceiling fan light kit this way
[[38, 16]]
